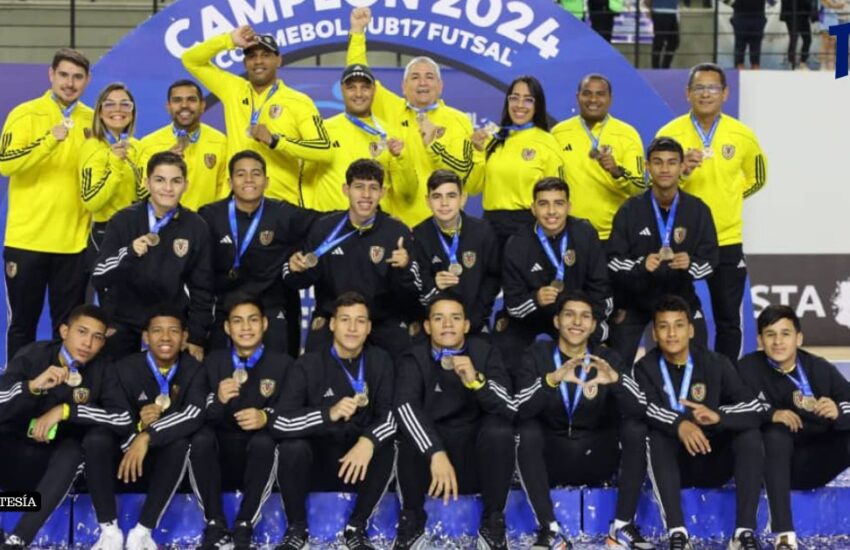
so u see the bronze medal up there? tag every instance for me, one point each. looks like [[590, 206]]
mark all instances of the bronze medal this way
[[594, 153], [809, 402], [311, 260], [233, 274], [447, 362], [240, 375], [362, 399], [666, 253], [707, 153], [74, 378], [557, 284], [162, 401], [153, 239], [68, 122], [456, 269]]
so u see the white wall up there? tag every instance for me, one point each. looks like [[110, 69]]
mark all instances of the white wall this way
[[802, 120]]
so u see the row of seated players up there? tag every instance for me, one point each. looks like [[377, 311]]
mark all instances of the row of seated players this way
[[446, 412], [662, 241]]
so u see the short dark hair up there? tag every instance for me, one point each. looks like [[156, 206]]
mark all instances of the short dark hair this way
[[364, 169], [348, 299], [671, 302], [246, 154], [439, 177], [71, 56], [166, 158], [166, 309], [235, 299], [664, 143], [551, 184], [184, 82], [87, 310], [573, 296], [446, 296], [595, 76], [773, 314], [706, 67]]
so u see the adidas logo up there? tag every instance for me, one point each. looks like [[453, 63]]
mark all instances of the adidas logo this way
[[742, 264], [329, 393], [337, 252], [436, 260], [226, 240], [761, 396], [645, 232], [569, 147], [245, 101], [405, 124], [437, 388], [280, 315], [143, 396], [698, 315], [536, 267]]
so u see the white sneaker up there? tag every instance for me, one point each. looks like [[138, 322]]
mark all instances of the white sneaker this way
[[111, 537], [139, 538]]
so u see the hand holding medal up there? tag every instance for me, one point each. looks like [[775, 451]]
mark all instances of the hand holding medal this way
[[51, 377], [228, 388]]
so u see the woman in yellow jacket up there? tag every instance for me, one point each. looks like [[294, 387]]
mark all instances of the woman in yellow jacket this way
[[510, 159], [110, 177]]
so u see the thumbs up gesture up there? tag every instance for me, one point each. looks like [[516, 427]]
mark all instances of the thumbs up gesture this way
[[400, 257]]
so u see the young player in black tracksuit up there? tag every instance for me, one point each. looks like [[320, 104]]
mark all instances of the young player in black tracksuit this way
[[335, 424], [806, 426], [661, 242], [534, 274], [361, 250], [703, 424], [472, 267], [581, 416], [151, 253], [165, 391], [233, 451], [272, 229], [38, 388], [455, 406]]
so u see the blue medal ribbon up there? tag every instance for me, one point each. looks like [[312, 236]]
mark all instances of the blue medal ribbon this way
[[239, 251], [66, 111], [668, 383], [332, 240], [557, 263], [249, 362], [181, 133], [802, 383], [255, 114], [163, 381], [423, 110], [517, 127], [451, 251], [70, 362], [358, 384], [438, 354], [665, 229], [374, 130], [156, 226], [594, 141], [706, 138], [563, 386], [113, 140]]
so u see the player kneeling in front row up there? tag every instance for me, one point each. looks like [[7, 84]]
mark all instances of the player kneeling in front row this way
[[164, 391], [699, 413], [234, 450], [581, 417], [807, 420], [455, 405], [335, 425]]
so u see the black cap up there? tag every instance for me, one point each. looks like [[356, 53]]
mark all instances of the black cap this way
[[357, 71], [266, 41]]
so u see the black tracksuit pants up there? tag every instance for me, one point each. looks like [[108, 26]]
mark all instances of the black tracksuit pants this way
[[727, 290]]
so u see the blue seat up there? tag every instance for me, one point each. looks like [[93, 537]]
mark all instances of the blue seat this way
[[54, 532]]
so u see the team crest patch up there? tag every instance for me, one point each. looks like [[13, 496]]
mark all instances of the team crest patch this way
[[570, 257], [679, 234], [468, 259], [266, 237], [11, 269], [318, 323], [698, 392], [181, 247], [619, 316], [501, 324], [275, 111], [267, 386], [590, 391], [81, 396], [528, 154], [414, 329], [376, 254], [728, 151], [209, 160]]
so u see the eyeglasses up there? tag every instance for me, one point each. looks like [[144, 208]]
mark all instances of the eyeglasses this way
[[117, 106], [712, 89], [515, 99]]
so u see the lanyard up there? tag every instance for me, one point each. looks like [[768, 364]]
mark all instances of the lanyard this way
[[163, 381], [156, 226], [255, 114], [451, 251], [665, 229], [706, 138], [557, 263], [249, 362], [802, 383], [668, 383], [594, 141], [180, 133], [423, 110], [70, 362], [375, 130], [565, 396], [249, 235], [113, 140], [332, 240], [66, 111], [517, 127], [438, 354], [359, 384]]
